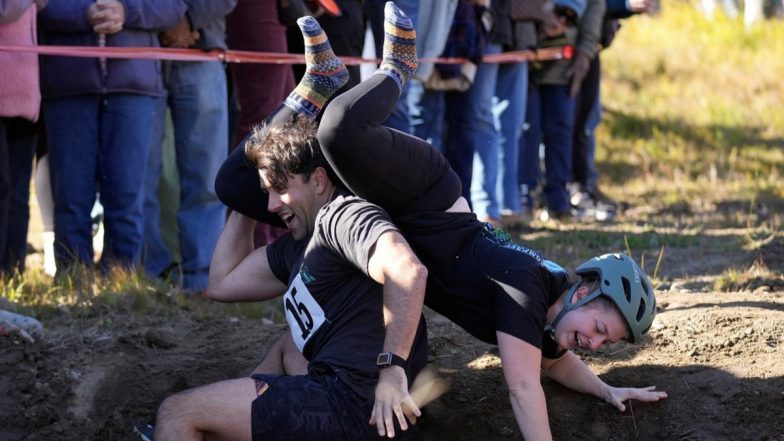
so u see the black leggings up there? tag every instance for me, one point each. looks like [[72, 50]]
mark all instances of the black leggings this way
[[396, 171], [401, 173]]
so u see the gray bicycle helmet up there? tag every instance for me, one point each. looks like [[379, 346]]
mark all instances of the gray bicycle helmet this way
[[625, 284]]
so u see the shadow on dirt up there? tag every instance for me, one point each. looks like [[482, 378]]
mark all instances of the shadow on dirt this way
[[763, 305], [704, 404]]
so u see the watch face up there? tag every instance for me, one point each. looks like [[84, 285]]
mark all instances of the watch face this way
[[384, 359]]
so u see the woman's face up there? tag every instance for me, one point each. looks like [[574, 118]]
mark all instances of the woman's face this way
[[590, 327]]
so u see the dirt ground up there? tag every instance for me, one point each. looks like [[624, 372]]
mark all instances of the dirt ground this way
[[718, 355]]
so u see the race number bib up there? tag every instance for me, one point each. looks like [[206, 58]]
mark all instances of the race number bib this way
[[303, 313]]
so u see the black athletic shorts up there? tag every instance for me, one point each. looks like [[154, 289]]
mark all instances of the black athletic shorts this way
[[312, 407]]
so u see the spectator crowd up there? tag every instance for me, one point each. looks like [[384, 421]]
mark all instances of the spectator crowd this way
[[520, 136]]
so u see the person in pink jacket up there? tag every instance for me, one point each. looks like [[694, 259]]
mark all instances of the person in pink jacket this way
[[20, 101]]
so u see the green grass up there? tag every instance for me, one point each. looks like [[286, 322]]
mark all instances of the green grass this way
[[694, 102], [97, 298], [691, 138]]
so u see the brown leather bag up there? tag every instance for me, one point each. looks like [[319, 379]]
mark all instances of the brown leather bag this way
[[526, 10]]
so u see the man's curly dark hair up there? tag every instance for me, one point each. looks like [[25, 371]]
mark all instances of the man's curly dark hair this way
[[282, 149]]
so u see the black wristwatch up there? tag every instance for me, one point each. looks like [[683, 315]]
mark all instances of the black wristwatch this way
[[386, 359]]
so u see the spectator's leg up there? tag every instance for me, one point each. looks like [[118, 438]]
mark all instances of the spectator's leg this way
[[43, 194], [427, 114], [22, 149], [486, 140], [512, 87], [199, 114], [156, 255], [529, 168], [374, 11], [72, 127], [470, 122], [583, 170], [5, 187], [126, 135], [253, 25], [557, 123]]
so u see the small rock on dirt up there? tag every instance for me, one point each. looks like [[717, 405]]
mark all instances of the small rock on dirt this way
[[161, 337]]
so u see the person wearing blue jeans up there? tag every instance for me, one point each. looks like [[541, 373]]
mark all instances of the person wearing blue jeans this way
[[496, 189], [587, 198], [196, 94], [469, 117], [426, 107], [549, 121], [98, 144], [586, 119], [374, 10], [99, 117], [550, 111]]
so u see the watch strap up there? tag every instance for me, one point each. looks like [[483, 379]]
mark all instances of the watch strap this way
[[386, 359]]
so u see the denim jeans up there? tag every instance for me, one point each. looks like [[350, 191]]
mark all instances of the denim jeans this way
[[495, 180], [549, 117], [587, 116], [427, 114], [196, 95], [374, 10], [17, 146], [98, 143], [470, 120]]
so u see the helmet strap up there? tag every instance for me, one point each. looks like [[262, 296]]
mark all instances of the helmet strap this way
[[569, 306]]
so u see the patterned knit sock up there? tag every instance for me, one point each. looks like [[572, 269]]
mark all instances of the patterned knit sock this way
[[400, 59], [324, 72]]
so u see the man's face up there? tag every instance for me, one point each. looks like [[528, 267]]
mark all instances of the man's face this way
[[590, 327], [297, 204]]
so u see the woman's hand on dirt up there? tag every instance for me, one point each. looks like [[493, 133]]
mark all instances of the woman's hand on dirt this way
[[617, 395], [393, 400]]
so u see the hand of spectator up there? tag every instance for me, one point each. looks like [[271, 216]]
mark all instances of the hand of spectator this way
[[578, 71], [180, 36], [40, 4], [106, 16], [393, 400], [642, 6], [553, 25]]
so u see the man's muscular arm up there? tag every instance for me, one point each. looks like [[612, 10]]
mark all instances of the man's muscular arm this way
[[393, 264], [238, 272]]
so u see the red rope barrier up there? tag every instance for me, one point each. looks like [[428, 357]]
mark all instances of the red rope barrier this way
[[234, 56]]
